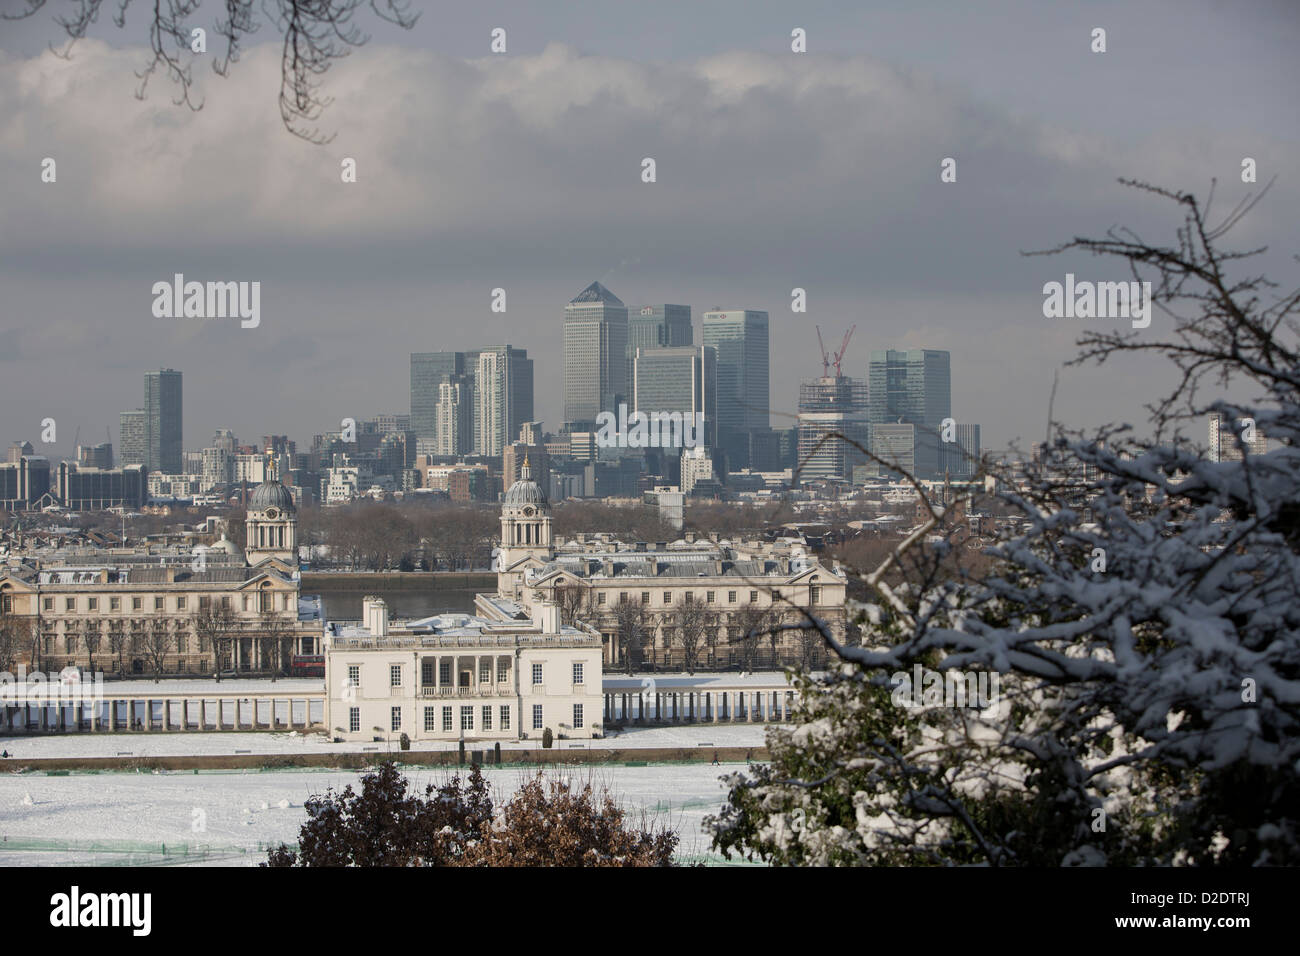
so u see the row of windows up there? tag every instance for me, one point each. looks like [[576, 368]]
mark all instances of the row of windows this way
[[466, 718], [711, 597], [181, 603], [485, 673]]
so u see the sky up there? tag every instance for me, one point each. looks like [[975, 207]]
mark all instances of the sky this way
[[775, 170]]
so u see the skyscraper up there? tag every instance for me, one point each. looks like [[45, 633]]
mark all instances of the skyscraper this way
[[134, 440], [595, 356], [683, 380], [428, 371], [502, 395], [913, 387], [832, 405], [162, 405], [740, 338], [656, 327], [455, 418]]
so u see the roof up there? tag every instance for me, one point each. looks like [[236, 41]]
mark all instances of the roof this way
[[597, 293], [270, 494]]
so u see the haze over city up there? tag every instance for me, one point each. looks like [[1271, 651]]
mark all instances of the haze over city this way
[[522, 172]]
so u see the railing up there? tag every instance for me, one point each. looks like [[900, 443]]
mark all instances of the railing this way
[[482, 690], [487, 640]]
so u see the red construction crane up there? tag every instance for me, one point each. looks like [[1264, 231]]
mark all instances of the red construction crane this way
[[827, 358]]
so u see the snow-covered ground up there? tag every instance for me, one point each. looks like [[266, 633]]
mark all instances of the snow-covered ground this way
[[228, 818], [199, 744]]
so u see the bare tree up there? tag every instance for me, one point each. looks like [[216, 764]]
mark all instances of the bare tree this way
[[277, 633], [158, 643], [748, 626], [315, 32], [216, 624], [630, 627], [15, 635], [92, 640], [689, 625], [117, 643]]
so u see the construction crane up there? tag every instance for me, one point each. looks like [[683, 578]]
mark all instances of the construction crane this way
[[829, 359]]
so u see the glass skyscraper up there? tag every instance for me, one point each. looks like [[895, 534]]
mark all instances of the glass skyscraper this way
[[162, 403], [595, 356], [657, 327], [428, 371], [683, 380], [913, 387], [740, 339]]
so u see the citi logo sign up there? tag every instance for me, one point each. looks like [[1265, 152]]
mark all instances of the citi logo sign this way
[[179, 299], [1098, 300], [76, 909], [649, 430]]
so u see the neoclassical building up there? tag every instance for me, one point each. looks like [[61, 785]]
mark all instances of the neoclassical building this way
[[462, 677], [735, 587], [187, 607]]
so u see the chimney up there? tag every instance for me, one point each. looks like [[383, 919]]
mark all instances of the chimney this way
[[546, 616], [375, 614]]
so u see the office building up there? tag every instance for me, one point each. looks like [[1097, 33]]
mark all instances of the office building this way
[[961, 457], [134, 440], [595, 356], [502, 395], [162, 405], [682, 381], [913, 387], [455, 419], [428, 371], [832, 428], [657, 327]]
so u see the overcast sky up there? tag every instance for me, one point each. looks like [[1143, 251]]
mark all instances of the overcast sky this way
[[522, 171]]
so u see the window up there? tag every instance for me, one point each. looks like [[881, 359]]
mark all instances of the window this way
[[157, 604], [622, 597], [600, 598], [354, 719], [446, 719], [487, 716], [485, 671], [394, 675], [753, 597], [537, 674], [136, 603], [205, 602], [69, 604], [426, 671], [537, 716], [505, 717], [69, 643], [668, 597], [815, 594], [503, 671], [225, 600], [397, 718], [430, 721], [731, 597], [577, 672], [467, 718], [690, 598], [709, 596], [577, 716], [182, 602], [182, 644], [645, 597], [246, 602], [49, 604], [92, 603], [444, 673], [354, 675]]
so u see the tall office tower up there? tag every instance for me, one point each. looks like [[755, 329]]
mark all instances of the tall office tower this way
[[740, 338], [502, 396], [1224, 435], [95, 456], [834, 405], [455, 417], [677, 380], [162, 403], [134, 440], [595, 356], [513, 457], [428, 371], [913, 387], [895, 443], [961, 457], [656, 327]]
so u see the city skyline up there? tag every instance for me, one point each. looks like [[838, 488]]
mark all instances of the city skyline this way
[[777, 171]]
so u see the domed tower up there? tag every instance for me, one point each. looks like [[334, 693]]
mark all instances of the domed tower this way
[[525, 520], [272, 525]]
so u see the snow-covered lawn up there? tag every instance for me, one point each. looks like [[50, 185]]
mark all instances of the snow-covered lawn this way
[[228, 818], [199, 744]]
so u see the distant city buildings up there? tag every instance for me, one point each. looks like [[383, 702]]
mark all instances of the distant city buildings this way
[[740, 340], [595, 356], [682, 380], [1228, 438], [913, 387], [833, 428]]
